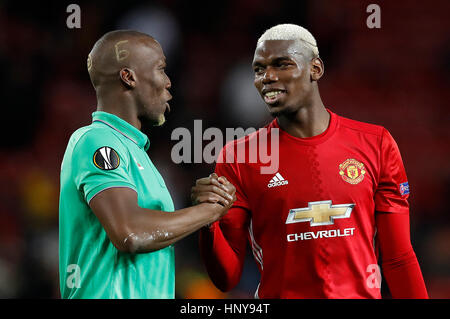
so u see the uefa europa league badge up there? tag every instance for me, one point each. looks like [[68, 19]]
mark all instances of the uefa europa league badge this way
[[352, 171], [106, 158]]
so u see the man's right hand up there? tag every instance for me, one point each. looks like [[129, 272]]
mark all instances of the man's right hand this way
[[214, 189]]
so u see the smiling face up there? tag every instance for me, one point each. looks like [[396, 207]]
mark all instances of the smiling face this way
[[283, 75], [152, 83]]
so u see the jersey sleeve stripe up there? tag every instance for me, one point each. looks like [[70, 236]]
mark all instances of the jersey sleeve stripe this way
[[106, 186]]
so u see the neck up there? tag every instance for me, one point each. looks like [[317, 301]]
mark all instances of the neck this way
[[121, 105], [309, 120]]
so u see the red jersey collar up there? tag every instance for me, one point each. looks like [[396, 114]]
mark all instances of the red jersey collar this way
[[314, 140]]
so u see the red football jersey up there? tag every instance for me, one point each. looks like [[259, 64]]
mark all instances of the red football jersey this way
[[312, 221]]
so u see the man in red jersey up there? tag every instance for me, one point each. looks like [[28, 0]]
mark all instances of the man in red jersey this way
[[338, 198]]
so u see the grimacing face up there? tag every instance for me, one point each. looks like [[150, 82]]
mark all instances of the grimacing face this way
[[282, 75], [152, 84]]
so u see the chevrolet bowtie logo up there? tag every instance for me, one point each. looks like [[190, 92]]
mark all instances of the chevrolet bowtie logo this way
[[319, 213]]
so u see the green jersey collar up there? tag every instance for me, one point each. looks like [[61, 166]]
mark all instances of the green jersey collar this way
[[123, 127]]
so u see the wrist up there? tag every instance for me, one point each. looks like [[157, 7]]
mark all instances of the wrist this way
[[212, 211]]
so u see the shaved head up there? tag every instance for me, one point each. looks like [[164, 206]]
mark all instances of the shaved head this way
[[114, 51], [127, 70]]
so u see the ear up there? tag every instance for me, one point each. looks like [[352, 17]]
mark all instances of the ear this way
[[317, 69], [128, 78]]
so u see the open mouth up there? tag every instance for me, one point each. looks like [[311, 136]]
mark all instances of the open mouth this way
[[273, 96]]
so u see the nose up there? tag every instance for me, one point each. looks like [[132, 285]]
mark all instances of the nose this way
[[167, 87], [168, 83], [269, 76]]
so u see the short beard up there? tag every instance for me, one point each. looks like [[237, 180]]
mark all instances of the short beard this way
[[161, 120], [283, 112], [148, 123]]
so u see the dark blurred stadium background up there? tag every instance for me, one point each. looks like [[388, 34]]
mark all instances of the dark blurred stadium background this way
[[396, 76]]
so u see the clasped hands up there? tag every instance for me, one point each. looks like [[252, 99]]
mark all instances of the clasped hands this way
[[215, 190]]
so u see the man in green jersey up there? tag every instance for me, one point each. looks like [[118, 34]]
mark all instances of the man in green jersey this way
[[117, 219]]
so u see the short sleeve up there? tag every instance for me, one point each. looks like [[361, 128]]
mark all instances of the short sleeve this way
[[100, 161], [392, 191], [227, 166]]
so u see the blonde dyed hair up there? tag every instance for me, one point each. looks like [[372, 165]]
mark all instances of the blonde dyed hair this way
[[291, 32]]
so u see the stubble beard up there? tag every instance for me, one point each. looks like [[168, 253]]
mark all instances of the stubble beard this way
[[286, 111]]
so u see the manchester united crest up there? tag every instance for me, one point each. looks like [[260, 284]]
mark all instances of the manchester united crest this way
[[352, 171]]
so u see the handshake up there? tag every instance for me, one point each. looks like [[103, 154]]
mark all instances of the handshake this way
[[214, 190]]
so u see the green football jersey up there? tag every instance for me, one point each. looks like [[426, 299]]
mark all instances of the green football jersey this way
[[109, 153]]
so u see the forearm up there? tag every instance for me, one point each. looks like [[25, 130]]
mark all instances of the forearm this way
[[134, 229], [223, 264], [151, 230], [399, 263], [404, 277], [223, 248]]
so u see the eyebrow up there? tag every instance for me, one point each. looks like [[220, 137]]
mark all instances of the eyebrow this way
[[274, 60]]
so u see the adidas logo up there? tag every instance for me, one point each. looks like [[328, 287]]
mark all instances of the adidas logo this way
[[277, 180]]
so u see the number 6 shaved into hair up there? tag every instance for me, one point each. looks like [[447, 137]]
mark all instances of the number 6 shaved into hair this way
[[121, 54]]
